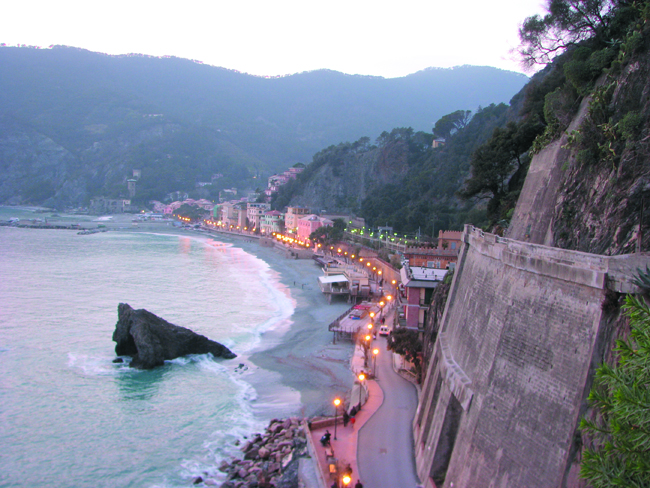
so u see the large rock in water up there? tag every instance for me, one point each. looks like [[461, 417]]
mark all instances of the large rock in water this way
[[150, 340]]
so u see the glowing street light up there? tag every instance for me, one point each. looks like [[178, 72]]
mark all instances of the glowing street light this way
[[361, 378], [337, 402], [374, 367]]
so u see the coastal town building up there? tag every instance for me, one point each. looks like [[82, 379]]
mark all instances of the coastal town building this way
[[438, 142], [227, 194], [419, 283], [109, 205], [431, 258], [276, 181], [272, 221], [441, 257], [291, 218], [345, 218], [130, 187], [204, 204], [309, 224], [254, 213], [233, 215], [449, 239]]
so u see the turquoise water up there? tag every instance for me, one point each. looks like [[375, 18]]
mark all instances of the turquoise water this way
[[68, 415]]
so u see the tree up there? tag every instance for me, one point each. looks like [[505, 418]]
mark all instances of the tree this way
[[450, 123], [620, 455], [407, 343], [328, 234], [192, 212], [499, 166], [566, 24]]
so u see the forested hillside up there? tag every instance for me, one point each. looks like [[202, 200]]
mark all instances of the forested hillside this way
[[181, 122], [591, 183], [400, 180]]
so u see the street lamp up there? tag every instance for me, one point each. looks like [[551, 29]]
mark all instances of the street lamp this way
[[361, 378], [366, 349], [374, 367], [337, 402], [346, 479]]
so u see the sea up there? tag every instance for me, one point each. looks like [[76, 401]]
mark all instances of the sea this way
[[69, 416]]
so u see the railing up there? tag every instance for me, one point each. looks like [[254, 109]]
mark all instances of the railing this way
[[335, 323]]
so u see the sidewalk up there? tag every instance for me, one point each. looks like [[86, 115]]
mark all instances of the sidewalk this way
[[344, 446], [332, 462]]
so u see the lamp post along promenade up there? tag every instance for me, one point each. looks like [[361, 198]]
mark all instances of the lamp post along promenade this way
[[337, 402], [361, 378]]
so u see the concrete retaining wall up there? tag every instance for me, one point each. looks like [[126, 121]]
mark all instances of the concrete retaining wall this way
[[511, 368]]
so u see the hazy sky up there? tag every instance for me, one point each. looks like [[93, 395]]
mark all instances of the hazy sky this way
[[277, 37]]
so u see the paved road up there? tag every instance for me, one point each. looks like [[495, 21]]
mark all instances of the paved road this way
[[385, 449]]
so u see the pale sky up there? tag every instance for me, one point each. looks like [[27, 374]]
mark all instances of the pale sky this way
[[278, 37]]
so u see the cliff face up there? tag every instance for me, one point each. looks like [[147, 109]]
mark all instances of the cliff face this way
[[349, 177], [588, 190]]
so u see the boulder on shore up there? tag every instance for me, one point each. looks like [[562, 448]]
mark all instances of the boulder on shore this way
[[150, 340]]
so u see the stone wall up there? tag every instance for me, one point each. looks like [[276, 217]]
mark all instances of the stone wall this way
[[507, 382]]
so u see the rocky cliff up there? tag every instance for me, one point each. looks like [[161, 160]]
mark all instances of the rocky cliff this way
[[588, 189]]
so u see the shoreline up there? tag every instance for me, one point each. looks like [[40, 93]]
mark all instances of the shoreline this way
[[302, 354]]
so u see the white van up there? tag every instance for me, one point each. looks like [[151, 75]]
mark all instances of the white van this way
[[383, 330]]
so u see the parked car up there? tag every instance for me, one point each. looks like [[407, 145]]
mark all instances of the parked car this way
[[358, 313], [383, 330]]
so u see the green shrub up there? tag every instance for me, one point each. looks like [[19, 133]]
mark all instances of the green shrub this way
[[628, 127], [578, 72], [601, 60]]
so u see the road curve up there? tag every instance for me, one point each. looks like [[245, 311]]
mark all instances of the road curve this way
[[385, 453]]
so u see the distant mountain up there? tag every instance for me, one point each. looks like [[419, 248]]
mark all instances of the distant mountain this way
[[180, 122]]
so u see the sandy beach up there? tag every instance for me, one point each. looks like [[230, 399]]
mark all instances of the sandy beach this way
[[304, 355]]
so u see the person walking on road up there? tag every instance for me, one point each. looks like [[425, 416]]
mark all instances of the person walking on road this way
[[358, 484]]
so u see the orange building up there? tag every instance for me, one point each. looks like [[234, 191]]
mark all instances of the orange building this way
[[449, 239], [439, 258]]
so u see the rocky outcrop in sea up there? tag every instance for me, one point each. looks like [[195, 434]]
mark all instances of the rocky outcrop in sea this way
[[150, 340]]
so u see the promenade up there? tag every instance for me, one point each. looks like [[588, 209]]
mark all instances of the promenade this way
[[378, 447]]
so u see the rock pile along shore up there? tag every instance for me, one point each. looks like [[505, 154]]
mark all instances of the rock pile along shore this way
[[270, 459]]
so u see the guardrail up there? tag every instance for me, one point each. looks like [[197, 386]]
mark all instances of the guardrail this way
[[336, 321]]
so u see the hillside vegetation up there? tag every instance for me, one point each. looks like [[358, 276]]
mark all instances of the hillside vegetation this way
[[75, 123], [596, 52], [602, 168], [400, 180]]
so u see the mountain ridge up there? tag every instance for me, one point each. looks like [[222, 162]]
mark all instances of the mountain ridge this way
[[242, 126]]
